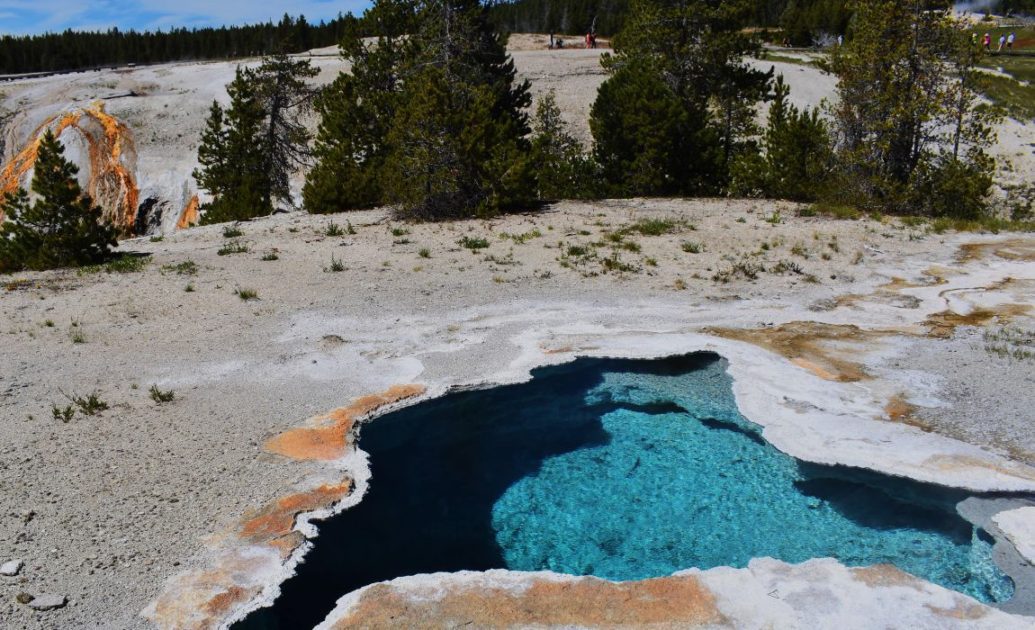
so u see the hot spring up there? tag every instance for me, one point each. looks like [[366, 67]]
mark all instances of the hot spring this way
[[623, 470]]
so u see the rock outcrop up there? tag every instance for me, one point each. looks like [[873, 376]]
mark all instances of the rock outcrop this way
[[103, 148]]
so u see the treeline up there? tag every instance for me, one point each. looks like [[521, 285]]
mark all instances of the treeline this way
[[804, 21], [560, 16], [74, 50]]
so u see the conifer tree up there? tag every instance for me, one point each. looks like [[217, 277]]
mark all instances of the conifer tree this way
[[356, 111], [61, 227], [696, 49], [645, 137], [249, 152], [796, 159], [285, 97], [907, 121], [562, 169], [233, 167], [431, 118], [461, 101]]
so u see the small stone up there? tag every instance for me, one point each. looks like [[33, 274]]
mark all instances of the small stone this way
[[48, 602], [12, 568]]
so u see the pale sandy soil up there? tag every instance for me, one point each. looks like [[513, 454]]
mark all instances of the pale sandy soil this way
[[123, 500]]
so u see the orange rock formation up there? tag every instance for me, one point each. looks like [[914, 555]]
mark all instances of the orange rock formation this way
[[112, 159]]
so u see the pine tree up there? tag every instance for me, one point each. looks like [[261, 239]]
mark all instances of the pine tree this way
[[907, 120], [431, 118], [645, 137], [562, 169], [695, 49], [61, 227], [356, 111], [233, 167], [285, 97], [795, 162], [458, 141], [249, 152]]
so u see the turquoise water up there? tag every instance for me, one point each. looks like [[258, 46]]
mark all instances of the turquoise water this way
[[697, 487], [620, 469]]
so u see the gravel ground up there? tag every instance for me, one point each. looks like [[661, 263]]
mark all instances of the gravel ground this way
[[983, 398], [104, 508]]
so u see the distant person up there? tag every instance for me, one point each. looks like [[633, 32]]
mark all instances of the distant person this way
[[1010, 40], [593, 40], [988, 42], [1002, 42], [840, 41], [552, 44]]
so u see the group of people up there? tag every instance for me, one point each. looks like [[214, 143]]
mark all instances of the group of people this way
[[556, 42], [1004, 40]]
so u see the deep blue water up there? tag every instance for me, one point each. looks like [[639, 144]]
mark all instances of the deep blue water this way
[[620, 469]]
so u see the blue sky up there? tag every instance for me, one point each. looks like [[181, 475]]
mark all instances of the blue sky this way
[[37, 16]]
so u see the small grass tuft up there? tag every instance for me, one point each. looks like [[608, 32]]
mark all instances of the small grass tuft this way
[[692, 247], [337, 266], [185, 268], [653, 227], [232, 231], [270, 256], [162, 397], [64, 414], [123, 263], [90, 405], [233, 247], [333, 229], [247, 295], [473, 243]]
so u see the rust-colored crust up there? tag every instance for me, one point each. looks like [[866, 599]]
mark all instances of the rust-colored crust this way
[[943, 325], [326, 438], [109, 177], [277, 520], [1014, 249], [900, 410], [673, 602], [266, 538], [803, 343], [190, 215]]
